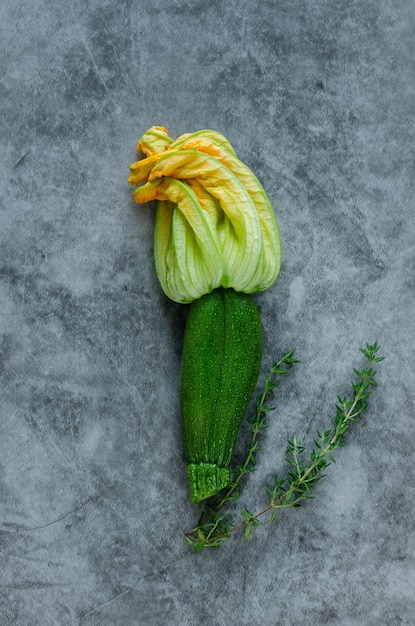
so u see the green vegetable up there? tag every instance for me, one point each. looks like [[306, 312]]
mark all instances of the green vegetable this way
[[221, 362], [216, 240]]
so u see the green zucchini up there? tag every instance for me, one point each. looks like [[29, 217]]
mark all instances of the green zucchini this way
[[221, 362]]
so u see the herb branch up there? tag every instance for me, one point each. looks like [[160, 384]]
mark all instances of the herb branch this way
[[303, 474]]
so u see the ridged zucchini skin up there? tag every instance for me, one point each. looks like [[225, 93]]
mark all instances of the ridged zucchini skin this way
[[222, 355]]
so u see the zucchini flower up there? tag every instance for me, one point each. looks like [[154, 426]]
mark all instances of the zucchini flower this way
[[215, 226]]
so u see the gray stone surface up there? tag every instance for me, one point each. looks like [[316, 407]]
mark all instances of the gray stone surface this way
[[318, 98]]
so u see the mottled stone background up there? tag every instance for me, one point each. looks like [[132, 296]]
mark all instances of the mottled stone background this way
[[318, 98]]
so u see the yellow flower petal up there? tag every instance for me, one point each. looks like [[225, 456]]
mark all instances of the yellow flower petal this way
[[155, 139]]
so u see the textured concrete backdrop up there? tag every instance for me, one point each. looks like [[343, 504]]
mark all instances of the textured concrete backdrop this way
[[318, 99]]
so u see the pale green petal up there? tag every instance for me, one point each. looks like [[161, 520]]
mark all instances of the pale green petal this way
[[191, 264], [174, 284], [163, 251]]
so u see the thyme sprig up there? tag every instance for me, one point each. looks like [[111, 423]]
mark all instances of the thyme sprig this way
[[303, 474]]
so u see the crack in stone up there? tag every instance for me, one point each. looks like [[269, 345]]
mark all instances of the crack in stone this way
[[160, 570], [55, 521]]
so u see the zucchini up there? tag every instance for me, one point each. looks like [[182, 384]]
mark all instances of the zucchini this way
[[216, 240], [220, 367]]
